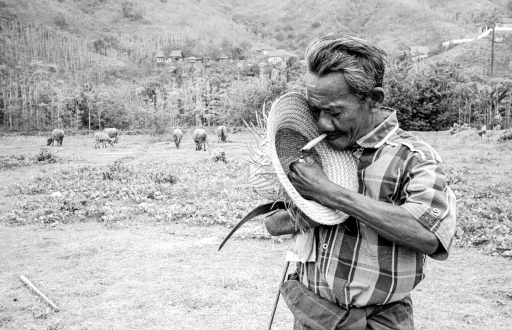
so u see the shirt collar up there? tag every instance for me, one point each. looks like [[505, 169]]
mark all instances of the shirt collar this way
[[380, 134]]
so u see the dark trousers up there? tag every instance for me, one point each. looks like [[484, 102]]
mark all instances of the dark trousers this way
[[313, 312]]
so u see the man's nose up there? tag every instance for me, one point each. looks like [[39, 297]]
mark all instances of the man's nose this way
[[324, 122]]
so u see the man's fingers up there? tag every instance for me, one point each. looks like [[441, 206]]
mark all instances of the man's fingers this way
[[292, 166], [291, 176], [309, 160]]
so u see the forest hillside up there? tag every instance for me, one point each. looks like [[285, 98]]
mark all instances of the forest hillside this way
[[93, 63]]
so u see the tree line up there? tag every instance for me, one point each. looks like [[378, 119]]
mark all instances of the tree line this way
[[78, 85]]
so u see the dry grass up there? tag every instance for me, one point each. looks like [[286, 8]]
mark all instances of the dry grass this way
[[171, 276], [138, 277]]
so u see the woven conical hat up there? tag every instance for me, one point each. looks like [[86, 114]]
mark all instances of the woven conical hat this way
[[290, 127]]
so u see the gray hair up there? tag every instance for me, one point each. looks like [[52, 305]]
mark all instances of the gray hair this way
[[361, 63]]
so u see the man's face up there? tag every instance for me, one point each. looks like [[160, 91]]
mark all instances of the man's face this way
[[338, 113]]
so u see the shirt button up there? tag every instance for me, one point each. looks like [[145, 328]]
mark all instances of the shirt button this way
[[324, 246], [436, 211]]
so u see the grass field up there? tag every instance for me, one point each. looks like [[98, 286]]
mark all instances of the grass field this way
[[127, 238]]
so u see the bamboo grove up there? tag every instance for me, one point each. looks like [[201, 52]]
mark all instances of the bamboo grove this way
[[51, 79]]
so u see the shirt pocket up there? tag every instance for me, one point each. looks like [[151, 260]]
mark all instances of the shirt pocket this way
[[369, 242], [381, 179]]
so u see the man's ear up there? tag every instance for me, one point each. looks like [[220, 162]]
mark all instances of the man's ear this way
[[377, 98]]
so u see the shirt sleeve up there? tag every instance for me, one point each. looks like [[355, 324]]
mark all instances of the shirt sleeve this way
[[430, 201]]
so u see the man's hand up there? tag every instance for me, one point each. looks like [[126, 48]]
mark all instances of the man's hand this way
[[280, 223], [308, 178]]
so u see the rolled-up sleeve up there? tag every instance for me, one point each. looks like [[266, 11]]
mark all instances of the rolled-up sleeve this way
[[430, 201]]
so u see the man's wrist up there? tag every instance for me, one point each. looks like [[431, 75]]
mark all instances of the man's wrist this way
[[331, 195]]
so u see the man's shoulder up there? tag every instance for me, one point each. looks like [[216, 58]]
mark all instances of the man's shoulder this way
[[415, 145]]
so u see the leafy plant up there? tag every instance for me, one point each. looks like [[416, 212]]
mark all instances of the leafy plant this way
[[46, 155], [10, 162], [220, 157], [160, 191]]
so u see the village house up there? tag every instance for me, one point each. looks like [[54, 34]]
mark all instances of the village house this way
[[279, 55], [504, 25], [264, 49], [194, 59], [223, 58], [176, 55], [160, 56]]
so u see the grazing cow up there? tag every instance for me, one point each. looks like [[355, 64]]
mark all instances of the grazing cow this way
[[222, 134], [57, 135], [101, 137], [199, 136], [482, 132], [112, 133], [177, 135]]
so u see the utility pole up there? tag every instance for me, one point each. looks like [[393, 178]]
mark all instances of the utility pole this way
[[492, 20], [492, 48]]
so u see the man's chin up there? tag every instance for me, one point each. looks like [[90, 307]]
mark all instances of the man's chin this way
[[338, 144]]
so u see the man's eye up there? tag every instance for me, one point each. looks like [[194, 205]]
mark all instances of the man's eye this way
[[335, 112]]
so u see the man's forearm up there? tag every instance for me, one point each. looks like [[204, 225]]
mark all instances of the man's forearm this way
[[390, 221]]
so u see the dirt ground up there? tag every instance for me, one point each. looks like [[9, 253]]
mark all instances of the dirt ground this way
[[170, 275]]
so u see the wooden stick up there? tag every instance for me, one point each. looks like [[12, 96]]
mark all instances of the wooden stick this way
[[313, 142], [32, 286], [277, 296]]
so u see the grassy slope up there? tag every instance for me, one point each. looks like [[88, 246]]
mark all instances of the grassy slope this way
[[396, 22], [475, 56], [393, 24], [93, 17]]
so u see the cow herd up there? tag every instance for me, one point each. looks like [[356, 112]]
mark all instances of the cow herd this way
[[200, 136], [109, 135]]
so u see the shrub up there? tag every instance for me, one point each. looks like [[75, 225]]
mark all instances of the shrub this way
[[161, 177], [131, 11], [60, 21], [507, 135], [46, 155]]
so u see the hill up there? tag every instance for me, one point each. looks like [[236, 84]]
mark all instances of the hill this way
[[290, 24], [475, 57], [92, 18]]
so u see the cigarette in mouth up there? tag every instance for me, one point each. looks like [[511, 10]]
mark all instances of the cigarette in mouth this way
[[313, 142]]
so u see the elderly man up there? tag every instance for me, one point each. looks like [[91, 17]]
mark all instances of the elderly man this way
[[366, 267]]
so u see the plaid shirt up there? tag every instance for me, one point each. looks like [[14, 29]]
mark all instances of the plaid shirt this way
[[357, 267]]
